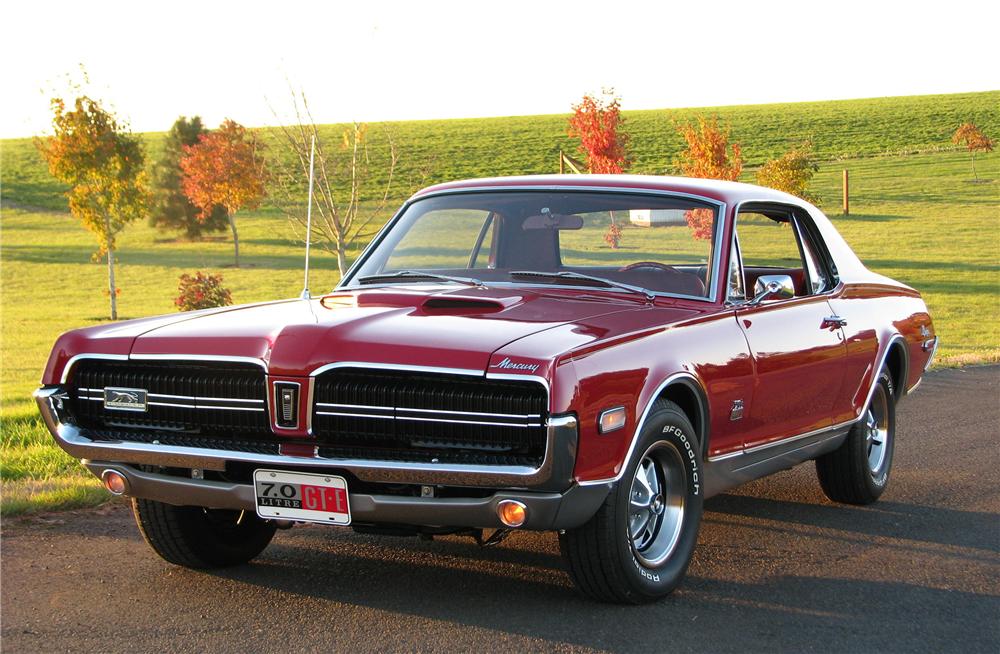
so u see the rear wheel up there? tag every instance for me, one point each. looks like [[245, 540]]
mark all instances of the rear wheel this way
[[195, 537], [858, 471], [638, 545]]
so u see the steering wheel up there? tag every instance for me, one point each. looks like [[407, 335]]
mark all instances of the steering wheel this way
[[648, 264]]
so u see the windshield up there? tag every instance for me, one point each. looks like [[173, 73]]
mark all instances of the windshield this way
[[607, 240]]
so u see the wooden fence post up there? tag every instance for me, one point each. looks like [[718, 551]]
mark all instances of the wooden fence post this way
[[847, 204]]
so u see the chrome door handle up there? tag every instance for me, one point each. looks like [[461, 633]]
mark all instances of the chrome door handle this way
[[831, 322]]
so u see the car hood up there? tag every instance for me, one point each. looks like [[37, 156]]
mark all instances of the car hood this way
[[446, 328]]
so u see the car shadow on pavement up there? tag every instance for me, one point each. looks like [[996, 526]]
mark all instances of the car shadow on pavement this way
[[913, 522], [518, 599]]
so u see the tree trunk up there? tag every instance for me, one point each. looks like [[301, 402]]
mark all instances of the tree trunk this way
[[236, 239], [974, 173], [112, 290], [341, 258]]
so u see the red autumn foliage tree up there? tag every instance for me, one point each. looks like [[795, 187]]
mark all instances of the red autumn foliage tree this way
[[598, 122], [224, 168], [708, 155], [975, 141], [100, 160]]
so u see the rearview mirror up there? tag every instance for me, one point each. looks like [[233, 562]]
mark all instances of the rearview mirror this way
[[772, 287], [553, 221]]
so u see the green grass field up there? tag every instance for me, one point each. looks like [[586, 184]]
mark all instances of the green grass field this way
[[916, 216]]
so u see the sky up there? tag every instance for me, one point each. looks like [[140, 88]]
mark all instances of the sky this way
[[378, 60]]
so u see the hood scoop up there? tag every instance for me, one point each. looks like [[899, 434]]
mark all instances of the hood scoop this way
[[461, 305], [436, 304]]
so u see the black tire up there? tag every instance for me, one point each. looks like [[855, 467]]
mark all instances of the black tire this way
[[194, 537], [605, 561], [856, 472]]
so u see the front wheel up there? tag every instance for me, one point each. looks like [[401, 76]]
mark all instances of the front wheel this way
[[201, 538], [858, 471], [637, 547]]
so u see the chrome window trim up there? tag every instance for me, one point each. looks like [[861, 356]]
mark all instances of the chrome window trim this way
[[737, 303], [562, 188]]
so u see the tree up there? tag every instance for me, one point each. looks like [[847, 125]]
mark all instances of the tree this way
[[708, 151], [975, 141], [171, 209], [598, 123], [707, 156], [102, 163], [349, 198], [791, 172], [225, 167]]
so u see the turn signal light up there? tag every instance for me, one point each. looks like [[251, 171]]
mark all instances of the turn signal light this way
[[512, 513], [115, 482], [611, 420]]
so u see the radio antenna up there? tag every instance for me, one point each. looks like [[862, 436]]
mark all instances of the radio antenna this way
[[309, 209]]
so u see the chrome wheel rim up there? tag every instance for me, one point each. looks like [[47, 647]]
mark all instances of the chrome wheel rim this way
[[657, 498], [877, 431]]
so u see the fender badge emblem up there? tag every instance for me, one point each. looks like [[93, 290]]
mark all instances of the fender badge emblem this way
[[737, 412], [507, 364]]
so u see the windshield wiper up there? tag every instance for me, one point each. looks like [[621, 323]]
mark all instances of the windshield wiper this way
[[568, 274], [417, 274]]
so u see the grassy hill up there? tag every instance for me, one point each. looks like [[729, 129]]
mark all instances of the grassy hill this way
[[440, 150], [916, 216]]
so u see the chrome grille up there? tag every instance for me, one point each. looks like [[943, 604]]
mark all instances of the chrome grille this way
[[399, 413], [188, 397]]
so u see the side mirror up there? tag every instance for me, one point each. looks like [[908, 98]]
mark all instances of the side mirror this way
[[772, 287]]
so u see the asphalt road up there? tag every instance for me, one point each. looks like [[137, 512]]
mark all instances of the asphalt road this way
[[778, 568]]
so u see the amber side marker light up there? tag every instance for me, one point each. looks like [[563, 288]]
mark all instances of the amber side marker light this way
[[115, 482], [512, 513], [611, 420]]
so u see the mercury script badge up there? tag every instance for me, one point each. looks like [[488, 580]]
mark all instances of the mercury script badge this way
[[507, 364], [125, 399]]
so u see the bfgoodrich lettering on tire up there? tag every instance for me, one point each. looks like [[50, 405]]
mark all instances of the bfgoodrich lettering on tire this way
[[858, 471], [638, 545]]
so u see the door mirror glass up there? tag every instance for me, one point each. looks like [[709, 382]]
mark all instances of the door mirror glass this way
[[772, 287]]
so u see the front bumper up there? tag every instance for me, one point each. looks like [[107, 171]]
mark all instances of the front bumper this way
[[545, 511], [553, 500]]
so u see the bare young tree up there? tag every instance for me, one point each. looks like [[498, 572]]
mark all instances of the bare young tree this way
[[346, 208]]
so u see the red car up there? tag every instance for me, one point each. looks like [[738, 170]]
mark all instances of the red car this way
[[592, 355]]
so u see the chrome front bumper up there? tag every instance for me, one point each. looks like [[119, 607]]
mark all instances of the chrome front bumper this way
[[555, 472], [545, 511]]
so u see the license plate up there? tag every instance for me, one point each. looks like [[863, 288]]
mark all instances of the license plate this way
[[299, 496]]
